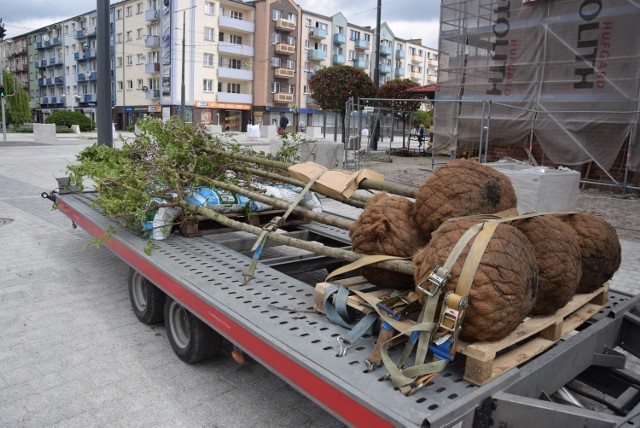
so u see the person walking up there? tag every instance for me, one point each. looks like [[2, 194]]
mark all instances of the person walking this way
[[420, 135], [283, 123]]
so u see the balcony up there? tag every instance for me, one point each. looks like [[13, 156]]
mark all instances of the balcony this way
[[399, 72], [58, 80], [416, 75], [40, 45], [41, 81], [385, 69], [416, 58], [152, 94], [317, 33], [285, 49], [228, 97], [49, 81], [284, 73], [36, 64], [93, 75], [90, 98], [81, 77], [235, 73], [43, 63], [359, 63], [385, 50], [152, 41], [54, 61], [54, 100], [309, 100], [361, 44], [339, 39], [80, 34], [44, 100], [78, 56], [55, 41], [234, 49], [400, 54], [237, 24], [152, 15], [282, 97], [285, 25], [152, 67], [433, 62], [316, 54], [338, 59]]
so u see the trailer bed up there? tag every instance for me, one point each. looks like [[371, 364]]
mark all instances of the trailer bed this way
[[272, 319]]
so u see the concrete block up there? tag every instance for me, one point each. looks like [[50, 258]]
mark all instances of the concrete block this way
[[213, 129], [253, 131], [75, 129], [44, 132], [323, 152]]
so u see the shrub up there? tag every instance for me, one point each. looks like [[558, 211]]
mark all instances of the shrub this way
[[68, 118]]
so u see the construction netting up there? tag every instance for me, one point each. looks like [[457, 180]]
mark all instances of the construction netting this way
[[563, 72]]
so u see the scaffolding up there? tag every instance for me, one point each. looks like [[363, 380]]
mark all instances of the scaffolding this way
[[564, 74]]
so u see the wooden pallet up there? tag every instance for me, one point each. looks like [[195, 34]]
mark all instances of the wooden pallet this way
[[487, 360], [202, 225]]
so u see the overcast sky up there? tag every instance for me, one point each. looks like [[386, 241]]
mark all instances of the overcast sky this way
[[408, 19]]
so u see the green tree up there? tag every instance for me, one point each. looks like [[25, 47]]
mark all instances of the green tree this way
[[17, 100], [68, 118], [332, 87]]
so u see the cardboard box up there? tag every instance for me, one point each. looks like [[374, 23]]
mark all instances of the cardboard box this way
[[334, 183]]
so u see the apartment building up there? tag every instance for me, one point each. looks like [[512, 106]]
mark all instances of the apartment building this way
[[221, 62]]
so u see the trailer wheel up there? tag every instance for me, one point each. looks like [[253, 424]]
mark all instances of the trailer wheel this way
[[191, 339], [147, 300]]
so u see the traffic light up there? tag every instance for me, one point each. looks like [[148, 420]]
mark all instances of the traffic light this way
[[1, 91], [3, 32]]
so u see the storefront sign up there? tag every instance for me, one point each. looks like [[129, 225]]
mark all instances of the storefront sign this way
[[226, 106]]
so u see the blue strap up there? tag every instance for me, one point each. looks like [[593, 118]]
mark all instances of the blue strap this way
[[337, 312]]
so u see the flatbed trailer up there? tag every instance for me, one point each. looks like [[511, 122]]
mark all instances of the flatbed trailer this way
[[271, 319]]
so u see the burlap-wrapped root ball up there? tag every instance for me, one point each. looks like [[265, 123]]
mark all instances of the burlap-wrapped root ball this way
[[504, 286], [557, 252], [600, 249], [461, 188], [387, 226]]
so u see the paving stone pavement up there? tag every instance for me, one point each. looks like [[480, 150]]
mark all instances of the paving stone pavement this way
[[74, 354]]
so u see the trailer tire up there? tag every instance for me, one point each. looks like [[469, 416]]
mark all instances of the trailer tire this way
[[190, 338], [146, 299]]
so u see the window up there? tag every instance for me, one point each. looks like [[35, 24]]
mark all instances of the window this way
[[209, 34], [235, 63], [119, 61], [66, 71], [235, 15], [140, 83], [221, 36], [139, 8], [292, 89], [209, 8], [119, 38], [129, 85], [354, 35], [152, 57], [129, 36], [235, 39], [139, 34], [275, 87], [129, 10], [119, 85], [291, 65], [276, 14], [305, 89], [275, 61], [140, 59], [276, 38], [367, 37], [352, 54], [118, 13], [129, 59], [307, 23], [208, 60], [233, 88], [207, 85]]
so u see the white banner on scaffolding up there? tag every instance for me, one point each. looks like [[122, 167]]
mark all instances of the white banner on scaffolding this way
[[564, 72]]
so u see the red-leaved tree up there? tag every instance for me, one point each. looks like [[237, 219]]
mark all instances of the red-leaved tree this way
[[332, 87]]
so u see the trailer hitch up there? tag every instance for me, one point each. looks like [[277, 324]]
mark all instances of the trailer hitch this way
[[51, 196]]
